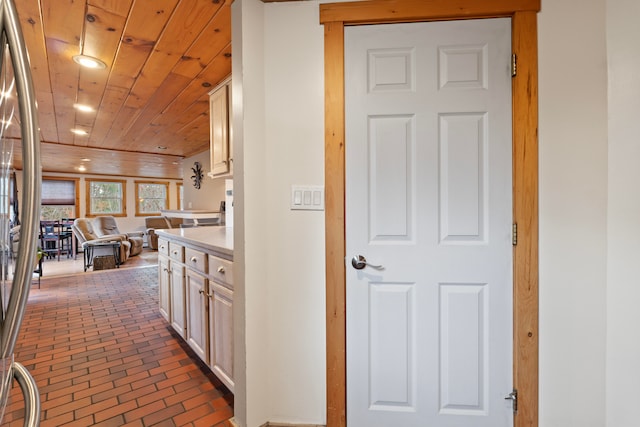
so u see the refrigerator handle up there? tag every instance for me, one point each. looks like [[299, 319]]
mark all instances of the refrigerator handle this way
[[31, 396], [32, 177]]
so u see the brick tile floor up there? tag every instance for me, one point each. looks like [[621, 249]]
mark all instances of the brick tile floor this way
[[102, 356]]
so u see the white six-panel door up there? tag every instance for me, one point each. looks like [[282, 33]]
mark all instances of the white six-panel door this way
[[428, 197]]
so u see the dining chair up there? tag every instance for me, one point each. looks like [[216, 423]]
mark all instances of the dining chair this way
[[54, 241], [67, 238], [49, 238]]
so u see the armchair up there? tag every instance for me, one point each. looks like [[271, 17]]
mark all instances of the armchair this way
[[152, 224], [85, 233], [107, 226]]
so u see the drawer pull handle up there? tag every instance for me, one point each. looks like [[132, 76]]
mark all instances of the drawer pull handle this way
[[194, 259], [221, 270], [175, 252], [201, 291]]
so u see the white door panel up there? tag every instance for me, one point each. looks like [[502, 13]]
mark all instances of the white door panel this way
[[428, 196]]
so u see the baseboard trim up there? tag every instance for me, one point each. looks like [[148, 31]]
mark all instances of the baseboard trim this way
[[270, 424]]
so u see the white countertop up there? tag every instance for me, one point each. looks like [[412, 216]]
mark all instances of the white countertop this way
[[190, 213], [214, 238]]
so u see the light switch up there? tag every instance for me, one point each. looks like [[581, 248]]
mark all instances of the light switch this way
[[307, 197]]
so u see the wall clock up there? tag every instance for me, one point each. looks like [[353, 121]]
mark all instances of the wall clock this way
[[197, 174]]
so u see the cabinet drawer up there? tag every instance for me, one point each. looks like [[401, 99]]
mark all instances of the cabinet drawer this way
[[196, 259], [176, 251], [163, 247], [221, 270]]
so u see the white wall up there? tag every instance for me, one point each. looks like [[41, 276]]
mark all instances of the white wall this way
[[252, 250], [623, 290], [590, 213], [573, 209], [211, 191], [295, 141], [278, 68]]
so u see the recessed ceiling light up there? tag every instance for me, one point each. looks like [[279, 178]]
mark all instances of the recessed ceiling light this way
[[86, 159], [79, 132], [81, 168], [89, 61], [84, 108]]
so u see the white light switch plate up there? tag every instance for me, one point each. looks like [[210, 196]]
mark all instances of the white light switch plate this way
[[307, 197]]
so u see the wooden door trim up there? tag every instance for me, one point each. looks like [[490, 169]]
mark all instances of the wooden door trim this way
[[335, 16]]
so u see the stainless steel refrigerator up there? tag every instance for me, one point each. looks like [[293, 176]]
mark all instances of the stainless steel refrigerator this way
[[17, 108]]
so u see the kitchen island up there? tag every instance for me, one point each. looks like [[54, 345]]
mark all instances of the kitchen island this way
[[195, 216], [212, 238], [195, 273]]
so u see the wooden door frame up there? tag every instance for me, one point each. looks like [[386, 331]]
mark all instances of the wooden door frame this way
[[523, 14]]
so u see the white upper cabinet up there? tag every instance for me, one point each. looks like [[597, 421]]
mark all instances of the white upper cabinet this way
[[221, 153]]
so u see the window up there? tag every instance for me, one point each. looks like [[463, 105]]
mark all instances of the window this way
[[180, 195], [151, 197], [106, 197], [59, 198], [6, 197]]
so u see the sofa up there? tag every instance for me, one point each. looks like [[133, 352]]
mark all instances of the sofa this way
[[154, 223], [106, 225], [84, 231]]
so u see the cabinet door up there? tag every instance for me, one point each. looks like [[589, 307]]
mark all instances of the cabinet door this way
[[218, 108], [164, 278], [197, 324], [178, 320], [221, 327]]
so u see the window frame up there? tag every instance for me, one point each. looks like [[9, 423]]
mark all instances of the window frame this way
[[179, 201], [137, 190], [122, 182]]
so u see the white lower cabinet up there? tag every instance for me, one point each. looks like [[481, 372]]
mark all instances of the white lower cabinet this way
[[197, 325], [221, 327], [196, 298], [178, 319], [171, 297], [164, 280]]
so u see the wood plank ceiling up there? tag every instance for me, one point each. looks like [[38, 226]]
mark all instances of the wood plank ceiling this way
[[150, 102]]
